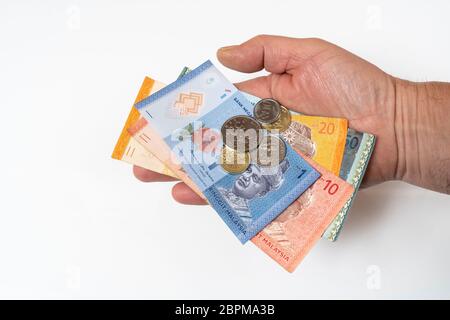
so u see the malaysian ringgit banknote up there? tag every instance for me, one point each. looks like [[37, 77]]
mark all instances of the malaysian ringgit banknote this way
[[328, 139], [128, 149], [154, 144], [322, 130], [358, 150], [289, 237], [320, 138], [203, 100], [323, 138]]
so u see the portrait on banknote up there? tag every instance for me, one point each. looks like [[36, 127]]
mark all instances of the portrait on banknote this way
[[276, 229], [255, 182]]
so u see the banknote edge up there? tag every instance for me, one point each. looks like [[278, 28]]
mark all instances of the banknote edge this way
[[257, 225], [260, 223], [183, 72], [132, 119], [333, 231], [339, 154], [299, 257], [174, 85], [133, 115]]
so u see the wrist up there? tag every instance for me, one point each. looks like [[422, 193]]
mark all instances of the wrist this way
[[421, 130], [406, 93]]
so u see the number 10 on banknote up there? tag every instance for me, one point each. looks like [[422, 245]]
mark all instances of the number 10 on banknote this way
[[202, 101]]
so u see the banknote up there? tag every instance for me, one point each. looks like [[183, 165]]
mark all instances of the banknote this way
[[184, 71], [128, 149], [328, 136], [358, 150], [289, 237], [326, 146], [320, 138], [146, 136], [155, 147], [201, 101], [344, 152], [131, 151]]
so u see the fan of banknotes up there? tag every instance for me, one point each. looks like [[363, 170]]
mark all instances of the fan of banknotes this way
[[275, 177]]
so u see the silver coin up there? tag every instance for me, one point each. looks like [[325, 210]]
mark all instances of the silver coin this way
[[241, 132], [271, 151], [267, 111]]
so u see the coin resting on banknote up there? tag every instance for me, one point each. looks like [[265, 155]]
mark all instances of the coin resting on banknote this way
[[271, 151], [267, 110], [275, 177], [233, 161], [282, 123], [245, 134], [241, 133]]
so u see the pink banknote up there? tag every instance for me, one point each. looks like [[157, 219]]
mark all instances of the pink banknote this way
[[289, 237]]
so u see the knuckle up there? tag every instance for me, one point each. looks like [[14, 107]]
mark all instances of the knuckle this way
[[261, 37], [316, 41]]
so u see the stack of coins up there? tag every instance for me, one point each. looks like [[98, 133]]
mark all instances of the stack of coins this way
[[242, 133], [234, 162], [272, 115], [270, 152], [261, 144]]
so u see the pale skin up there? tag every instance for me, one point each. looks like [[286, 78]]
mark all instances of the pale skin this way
[[410, 120]]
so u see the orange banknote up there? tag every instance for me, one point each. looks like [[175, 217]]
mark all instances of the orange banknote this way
[[289, 237], [320, 138], [141, 139], [327, 137], [128, 149]]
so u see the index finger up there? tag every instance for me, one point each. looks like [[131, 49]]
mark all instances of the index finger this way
[[146, 175]]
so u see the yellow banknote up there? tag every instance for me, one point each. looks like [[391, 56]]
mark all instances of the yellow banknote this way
[[128, 149], [321, 138]]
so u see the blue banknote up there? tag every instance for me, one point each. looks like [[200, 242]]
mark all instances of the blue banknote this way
[[358, 150], [201, 101]]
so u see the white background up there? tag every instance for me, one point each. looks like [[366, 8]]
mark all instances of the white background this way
[[75, 224]]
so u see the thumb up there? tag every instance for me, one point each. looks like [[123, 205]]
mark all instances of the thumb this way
[[269, 52], [276, 54]]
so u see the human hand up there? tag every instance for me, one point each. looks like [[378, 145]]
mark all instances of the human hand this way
[[315, 77]]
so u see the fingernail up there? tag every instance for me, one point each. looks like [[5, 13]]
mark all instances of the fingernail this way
[[225, 50]]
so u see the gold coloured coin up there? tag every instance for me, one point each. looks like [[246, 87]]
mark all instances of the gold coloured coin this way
[[242, 133], [234, 162], [271, 151], [282, 123]]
